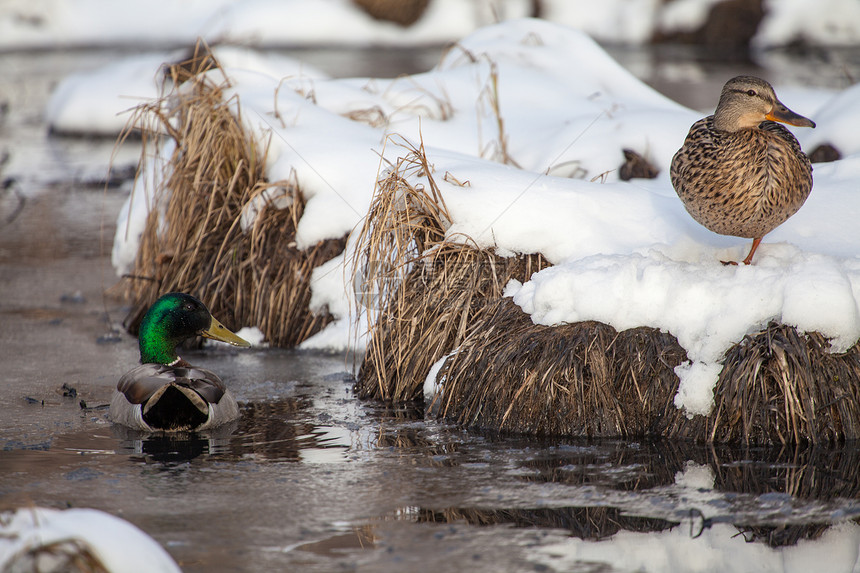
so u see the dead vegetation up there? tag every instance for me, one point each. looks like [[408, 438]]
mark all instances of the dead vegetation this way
[[194, 241], [784, 386], [582, 379], [423, 294], [431, 298]]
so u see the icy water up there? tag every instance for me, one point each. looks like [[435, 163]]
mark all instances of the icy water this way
[[311, 479]]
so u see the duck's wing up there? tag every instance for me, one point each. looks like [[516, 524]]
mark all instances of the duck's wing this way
[[140, 383], [700, 150], [204, 382]]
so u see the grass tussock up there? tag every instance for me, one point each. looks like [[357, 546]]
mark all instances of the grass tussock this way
[[430, 298], [194, 241], [586, 379], [784, 386], [423, 294], [581, 379]]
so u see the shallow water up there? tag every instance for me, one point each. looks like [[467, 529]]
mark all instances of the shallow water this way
[[312, 479]]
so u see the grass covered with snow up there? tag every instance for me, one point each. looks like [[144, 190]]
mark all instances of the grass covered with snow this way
[[533, 117]]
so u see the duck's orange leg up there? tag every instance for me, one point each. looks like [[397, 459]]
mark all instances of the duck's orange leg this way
[[747, 260], [755, 245]]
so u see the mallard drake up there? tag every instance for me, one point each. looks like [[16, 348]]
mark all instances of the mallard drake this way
[[739, 173], [165, 392]]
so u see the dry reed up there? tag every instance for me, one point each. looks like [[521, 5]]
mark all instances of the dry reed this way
[[423, 294], [194, 241]]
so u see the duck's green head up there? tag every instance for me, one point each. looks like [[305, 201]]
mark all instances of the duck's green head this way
[[174, 318]]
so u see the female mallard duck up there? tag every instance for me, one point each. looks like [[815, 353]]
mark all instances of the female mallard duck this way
[[165, 392], [739, 173]]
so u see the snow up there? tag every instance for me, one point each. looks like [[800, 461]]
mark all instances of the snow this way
[[116, 543], [273, 23], [131, 221], [718, 548], [830, 22], [101, 102], [253, 335], [836, 123], [98, 102], [685, 14], [433, 385]]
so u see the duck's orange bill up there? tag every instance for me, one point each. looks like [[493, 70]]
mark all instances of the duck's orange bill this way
[[782, 114]]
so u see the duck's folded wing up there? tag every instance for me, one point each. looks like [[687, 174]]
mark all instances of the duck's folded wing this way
[[141, 382], [204, 382]]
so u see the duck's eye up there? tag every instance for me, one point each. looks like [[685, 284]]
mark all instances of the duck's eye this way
[[189, 306], [750, 92]]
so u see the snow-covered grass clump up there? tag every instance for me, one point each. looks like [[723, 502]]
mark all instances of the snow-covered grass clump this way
[[524, 124]]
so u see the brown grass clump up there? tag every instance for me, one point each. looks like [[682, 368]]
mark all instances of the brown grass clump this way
[[783, 386], [585, 379], [582, 379], [422, 294], [193, 241], [429, 298]]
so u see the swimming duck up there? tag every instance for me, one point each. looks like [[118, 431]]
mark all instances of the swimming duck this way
[[165, 392], [739, 173]]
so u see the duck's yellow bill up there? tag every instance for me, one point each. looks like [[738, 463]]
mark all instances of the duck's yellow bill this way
[[218, 331]]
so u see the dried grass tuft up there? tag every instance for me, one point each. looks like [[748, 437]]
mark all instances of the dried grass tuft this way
[[783, 386], [582, 379], [423, 294], [586, 379], [430, 298], [193, 241]]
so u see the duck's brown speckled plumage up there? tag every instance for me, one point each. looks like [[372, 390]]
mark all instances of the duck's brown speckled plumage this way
[[739, 173]]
